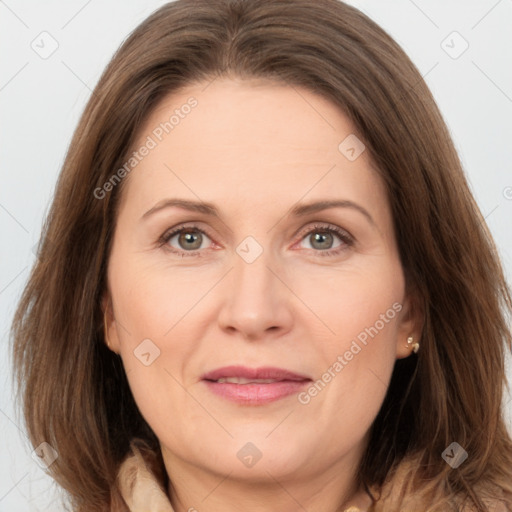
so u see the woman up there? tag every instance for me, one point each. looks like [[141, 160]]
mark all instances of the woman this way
[[250, 371]]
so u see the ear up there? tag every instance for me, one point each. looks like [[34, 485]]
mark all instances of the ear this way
[[109, 324], [410, 323]]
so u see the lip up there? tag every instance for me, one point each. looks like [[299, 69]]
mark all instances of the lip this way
[[265, 372], [286, 383]]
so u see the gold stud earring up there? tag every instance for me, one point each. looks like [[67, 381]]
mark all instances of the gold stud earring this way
[[410, 343]]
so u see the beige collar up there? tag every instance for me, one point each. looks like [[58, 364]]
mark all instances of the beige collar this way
[[139, 487]]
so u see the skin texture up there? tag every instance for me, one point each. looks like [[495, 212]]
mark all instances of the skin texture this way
[[254, 149]]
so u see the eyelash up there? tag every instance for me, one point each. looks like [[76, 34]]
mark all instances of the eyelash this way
[[347, 239]]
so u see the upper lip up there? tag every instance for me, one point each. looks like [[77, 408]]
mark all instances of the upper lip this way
[[264, 372]]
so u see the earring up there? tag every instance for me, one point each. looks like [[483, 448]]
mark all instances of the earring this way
[[410, 343]]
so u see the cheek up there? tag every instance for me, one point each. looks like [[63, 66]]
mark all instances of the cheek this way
[[151, 300], [156, 338], [358, 350], [353, 302]]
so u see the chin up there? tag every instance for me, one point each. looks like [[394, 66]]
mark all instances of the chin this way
[[259, 458]]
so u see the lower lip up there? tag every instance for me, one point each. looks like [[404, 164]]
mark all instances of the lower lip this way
[[256, 394]]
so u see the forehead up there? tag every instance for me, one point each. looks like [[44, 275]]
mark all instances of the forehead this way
[[265, 141], [244, 115]]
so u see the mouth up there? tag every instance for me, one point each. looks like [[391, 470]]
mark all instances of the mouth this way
[[254, 386]]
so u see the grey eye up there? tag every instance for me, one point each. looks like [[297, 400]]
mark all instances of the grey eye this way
[[188, 239]]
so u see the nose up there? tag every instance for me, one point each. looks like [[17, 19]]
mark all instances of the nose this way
[[256, 301]]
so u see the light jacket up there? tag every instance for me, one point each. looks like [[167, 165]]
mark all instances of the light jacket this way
[[143, 491]]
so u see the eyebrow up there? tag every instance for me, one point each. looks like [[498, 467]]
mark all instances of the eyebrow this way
[[299, 210]]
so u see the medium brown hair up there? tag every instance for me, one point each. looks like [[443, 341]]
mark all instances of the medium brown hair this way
[[74, 390]]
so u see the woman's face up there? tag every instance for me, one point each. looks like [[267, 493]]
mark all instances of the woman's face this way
[[272, 279]]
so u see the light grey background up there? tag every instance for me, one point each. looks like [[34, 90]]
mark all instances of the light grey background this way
[[41, 100]]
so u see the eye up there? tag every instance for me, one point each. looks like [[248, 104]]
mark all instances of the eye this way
[[188, 238], [321, 237]]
